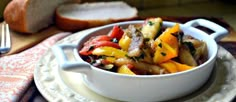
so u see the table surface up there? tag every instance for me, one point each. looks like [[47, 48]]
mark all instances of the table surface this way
[[33, 94], [181, 13], [228, 43]]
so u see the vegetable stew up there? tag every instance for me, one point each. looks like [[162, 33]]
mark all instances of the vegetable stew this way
[[145, 49]]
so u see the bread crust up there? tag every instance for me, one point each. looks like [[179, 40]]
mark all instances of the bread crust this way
[[73, 25], [14, 15]]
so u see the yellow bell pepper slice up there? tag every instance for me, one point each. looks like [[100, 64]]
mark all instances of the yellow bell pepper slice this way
[[125, 70], [163, 52], [109, 51], [124, 42], [173, 67], [110, 59], [151, 27]]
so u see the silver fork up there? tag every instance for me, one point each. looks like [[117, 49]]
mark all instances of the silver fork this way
[[5, 45]]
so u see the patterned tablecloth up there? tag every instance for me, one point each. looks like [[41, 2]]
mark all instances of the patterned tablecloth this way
[[16, 71]]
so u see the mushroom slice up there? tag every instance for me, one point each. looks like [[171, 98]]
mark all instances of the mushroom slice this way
[[201, 54], [186, 57], [142, 67]]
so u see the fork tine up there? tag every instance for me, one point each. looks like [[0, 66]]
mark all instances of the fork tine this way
[[5, 39], [3, 36], [8, 37]]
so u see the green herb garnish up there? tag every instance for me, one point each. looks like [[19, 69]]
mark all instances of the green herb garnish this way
[[175, 35], [150, 23], [136, 58], [163, 53], [146, 39], [180, 37], [190, 47], [91, 48], [160, 45]]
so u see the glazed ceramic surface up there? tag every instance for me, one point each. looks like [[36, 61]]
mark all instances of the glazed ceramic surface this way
[[143, 87], [55, 84]]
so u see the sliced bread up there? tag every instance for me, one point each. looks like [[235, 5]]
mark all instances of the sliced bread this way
[[30, 16], [74, 17]]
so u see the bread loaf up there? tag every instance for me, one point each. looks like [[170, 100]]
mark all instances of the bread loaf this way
[[30, 16], [73, 17]]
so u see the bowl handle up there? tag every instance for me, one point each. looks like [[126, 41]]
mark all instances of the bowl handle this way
[[219, 31], [75, 66]]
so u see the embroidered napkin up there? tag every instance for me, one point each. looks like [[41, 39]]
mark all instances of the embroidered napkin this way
[[16, 71]]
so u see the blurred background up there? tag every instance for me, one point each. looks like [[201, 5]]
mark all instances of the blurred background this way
[[3, 4], [225, 9]]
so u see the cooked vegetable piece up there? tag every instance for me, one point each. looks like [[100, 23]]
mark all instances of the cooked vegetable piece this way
[[200, 49], [182, 67], [170, 36], [201, 53], [196, 43], [124, 69], [142, 67], [110, 59], [87, 50], [190, 47], [173, 66], [109, 51], [186, 57], [95, 39], [91, 44], [164, 52], [137, 42], [123, 61], [169, 66], [124, 42], [116, 32], [147, 56], [151, 27], [147, 68]]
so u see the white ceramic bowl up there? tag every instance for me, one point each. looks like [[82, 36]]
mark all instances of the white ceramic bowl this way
[[144, 87]]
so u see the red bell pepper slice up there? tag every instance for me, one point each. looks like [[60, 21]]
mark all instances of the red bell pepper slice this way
[[116, 32], [102, 40], [89, 45], [130, 66], [98, 38], [88, 49]]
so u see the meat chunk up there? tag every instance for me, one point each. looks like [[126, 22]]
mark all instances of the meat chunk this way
[[137, 42]]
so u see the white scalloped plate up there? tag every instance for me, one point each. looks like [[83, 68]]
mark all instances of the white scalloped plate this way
[[57, 85]]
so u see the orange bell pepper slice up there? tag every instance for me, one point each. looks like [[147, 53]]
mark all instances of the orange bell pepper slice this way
[[168, 37], [124, 69], [173, 66], [163, 52]]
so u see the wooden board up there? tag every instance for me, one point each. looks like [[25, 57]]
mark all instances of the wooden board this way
[[22, 41]]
